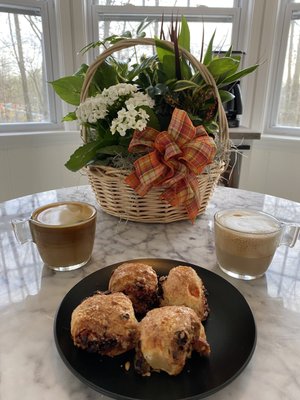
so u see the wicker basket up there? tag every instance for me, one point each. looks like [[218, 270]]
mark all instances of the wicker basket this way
[[117, 198]]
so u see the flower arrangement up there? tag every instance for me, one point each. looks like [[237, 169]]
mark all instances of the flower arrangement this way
[[156, 118]]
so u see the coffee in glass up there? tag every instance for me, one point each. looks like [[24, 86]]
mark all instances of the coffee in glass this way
[[64, 233], [246, 241]]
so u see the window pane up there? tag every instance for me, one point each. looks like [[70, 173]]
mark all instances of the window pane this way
[[169, 3], [23, 92], [289, 104], [113, 25]]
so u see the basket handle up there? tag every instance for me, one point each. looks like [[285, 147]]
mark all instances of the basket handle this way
[[206, 75]]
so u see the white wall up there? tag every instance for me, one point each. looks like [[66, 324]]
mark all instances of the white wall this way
[[272, 167], [31, 163]]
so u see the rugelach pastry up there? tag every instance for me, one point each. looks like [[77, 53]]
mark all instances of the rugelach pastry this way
[[105, 324], [139, 282], [168, 335], [183, 287]]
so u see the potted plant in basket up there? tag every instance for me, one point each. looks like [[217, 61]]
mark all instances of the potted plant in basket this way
[[159, 123]]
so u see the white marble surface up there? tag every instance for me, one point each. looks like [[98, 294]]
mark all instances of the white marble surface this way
[[30, 367]]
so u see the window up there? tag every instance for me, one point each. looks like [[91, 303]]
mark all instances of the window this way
[[29, 48], [285, 115], [26, 65], [223, 16]]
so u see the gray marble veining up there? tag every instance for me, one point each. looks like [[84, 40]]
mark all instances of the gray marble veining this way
[[30, 367]]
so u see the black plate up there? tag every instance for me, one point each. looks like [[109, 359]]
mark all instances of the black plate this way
[[230, 331]]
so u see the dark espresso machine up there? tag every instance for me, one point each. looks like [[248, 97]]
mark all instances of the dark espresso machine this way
[[234, 108]]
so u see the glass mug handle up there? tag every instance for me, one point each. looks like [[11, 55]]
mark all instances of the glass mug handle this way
[[22, 230], [290, 234]]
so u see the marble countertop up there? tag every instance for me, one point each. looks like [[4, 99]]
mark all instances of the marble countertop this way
[[30, 294]]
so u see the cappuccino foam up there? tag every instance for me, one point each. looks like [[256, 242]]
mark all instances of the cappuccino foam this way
[[248, 221], [64, 214]]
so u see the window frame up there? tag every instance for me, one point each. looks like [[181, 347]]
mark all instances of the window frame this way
[[50, 53], [275, 77], [242, 19], [237, 13]]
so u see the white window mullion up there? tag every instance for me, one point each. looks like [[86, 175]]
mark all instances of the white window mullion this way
[[51, 66], [276, 76]]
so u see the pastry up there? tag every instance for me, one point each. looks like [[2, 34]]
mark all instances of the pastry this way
[[139, 282], [168, 335], [183, 287], [105, 324]]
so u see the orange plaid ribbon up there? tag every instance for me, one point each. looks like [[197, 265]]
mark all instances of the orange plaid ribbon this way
[[175, 158]]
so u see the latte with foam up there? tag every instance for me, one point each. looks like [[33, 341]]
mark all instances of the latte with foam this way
[[64, 233], [246, 241], [64, 214]]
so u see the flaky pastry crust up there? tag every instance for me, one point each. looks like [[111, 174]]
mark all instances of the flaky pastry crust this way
[[139, 282], [105, 324], [184, 287], [168, 335]]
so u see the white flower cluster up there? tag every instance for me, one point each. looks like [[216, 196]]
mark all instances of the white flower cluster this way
[[92, 109], [123, 95]]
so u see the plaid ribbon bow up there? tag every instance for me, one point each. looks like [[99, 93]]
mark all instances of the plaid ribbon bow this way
[[175, 158]]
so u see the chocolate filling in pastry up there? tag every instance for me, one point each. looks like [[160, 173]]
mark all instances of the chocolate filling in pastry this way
[[105, 324], [139, 282], [168, 335]]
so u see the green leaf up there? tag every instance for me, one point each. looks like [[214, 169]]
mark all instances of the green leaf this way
[[121, 69], [226, 96], [209, 52], [105, 76], [211, 127], [197, 78], [113, 150], [82, 70], [222, 66], [142, 26], [168, 66], [185, 69], [71, 116], [125, 140], [239, 75], [184, 35], [127, 34], [228, 52], [83, 155], [153, 121], [68, 89], [162, 50], [139, 68], [184, 84], [159, 89]]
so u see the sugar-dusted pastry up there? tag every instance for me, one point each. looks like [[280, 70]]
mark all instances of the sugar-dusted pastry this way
[[168, 335], [139, 282], [183, 287], [105, 324]]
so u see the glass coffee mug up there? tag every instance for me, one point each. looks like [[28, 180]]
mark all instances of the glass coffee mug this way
[[246, 241], [63, 232]]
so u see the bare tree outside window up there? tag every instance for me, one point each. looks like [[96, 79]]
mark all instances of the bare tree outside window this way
[[169, 3], [118, 25], [23, 95], [289, 105]]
